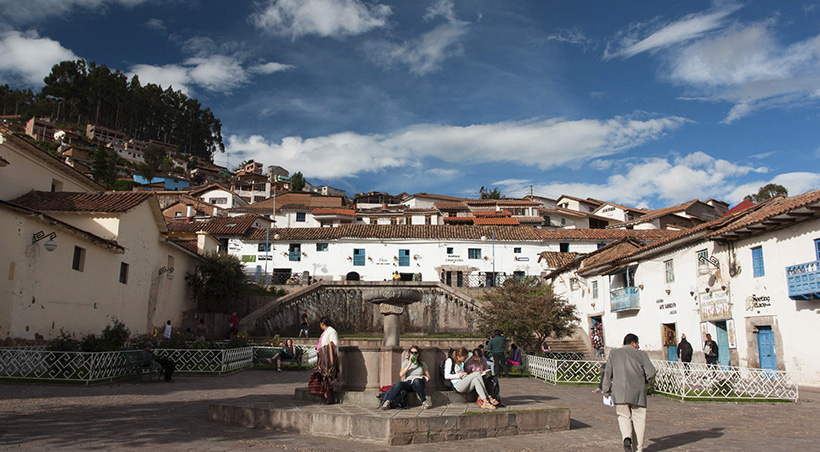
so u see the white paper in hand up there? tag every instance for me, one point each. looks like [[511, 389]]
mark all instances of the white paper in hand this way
[[608, 401]]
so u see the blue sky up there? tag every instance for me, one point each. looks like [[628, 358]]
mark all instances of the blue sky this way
[[644, 103]]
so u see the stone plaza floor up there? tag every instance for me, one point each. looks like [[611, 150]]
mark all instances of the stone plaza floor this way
[[133, 415]]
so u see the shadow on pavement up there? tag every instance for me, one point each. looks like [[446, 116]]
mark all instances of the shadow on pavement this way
[[681, 439], [575, 424]]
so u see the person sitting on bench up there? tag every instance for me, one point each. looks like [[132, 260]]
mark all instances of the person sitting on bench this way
[[149, 358], [288, 352]]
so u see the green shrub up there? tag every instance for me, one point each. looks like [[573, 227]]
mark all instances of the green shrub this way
[[64, 343], [238, 341]]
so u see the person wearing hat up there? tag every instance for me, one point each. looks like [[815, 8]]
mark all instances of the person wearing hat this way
[[149, 358]]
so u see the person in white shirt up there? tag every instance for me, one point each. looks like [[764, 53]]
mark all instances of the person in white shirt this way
[[464, 382], [168, 330], [328, 359]]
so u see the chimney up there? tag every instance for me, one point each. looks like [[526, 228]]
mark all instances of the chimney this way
[[189, 214]]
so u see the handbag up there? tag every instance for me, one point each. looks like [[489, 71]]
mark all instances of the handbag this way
[[315, 384]]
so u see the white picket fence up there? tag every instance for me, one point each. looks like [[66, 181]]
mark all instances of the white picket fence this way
[[687, 382]]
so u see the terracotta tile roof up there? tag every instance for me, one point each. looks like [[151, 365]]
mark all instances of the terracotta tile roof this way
[[295, 208], [114, 202], [39, 216], [500, 221], [501, 202], [200, 190], [563, 212], [238, 226], [420, 210], [451, 206], [329, 211], [657, 213], [743, 205], [459, 220], [524, 219], [555, 259], [492, 213], [458, 232], [308, 199], [188, 244], [771, 211]]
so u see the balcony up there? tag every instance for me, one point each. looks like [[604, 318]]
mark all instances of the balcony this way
[[625, 299], [804, 281], [294, 256]]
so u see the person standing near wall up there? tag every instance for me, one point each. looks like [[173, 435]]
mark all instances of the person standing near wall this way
[[497, 347], [710, 350], [628, 370], [685, 352], [168, 330]]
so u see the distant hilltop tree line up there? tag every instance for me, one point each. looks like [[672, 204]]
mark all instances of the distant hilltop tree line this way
[[80, 93]]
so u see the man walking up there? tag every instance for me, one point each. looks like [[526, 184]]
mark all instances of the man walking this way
[[710, 349], [497, 349], [628, 370], [685, 352]]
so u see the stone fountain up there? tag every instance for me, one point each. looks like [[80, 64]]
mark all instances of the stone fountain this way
[[392, 302]]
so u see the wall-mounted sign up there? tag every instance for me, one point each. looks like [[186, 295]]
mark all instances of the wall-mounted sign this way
[[715, 305], [756, 302], [262, 257], [522, 259], [671, 306], [730, 332], [453, 258], [248, 258]]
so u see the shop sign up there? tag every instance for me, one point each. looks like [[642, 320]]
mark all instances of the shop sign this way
[[715, 305], [671, 306], [756, 302], [383, 261], [453, 258], [522, 259], [248, 258]]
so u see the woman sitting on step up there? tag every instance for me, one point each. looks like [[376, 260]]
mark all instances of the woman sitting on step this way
[[464, 382], [414, 377]]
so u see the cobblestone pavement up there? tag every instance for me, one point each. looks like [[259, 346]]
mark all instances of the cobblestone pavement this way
[[173, 416]]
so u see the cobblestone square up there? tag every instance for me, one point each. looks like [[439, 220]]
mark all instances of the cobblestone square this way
[[132, 416]]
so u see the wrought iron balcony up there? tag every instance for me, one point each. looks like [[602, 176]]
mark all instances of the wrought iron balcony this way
[[804, 281], [294, 256], [625, 299]]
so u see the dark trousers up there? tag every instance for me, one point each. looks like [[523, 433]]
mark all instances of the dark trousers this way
[[500, 364], [168, 367], [416, 386]]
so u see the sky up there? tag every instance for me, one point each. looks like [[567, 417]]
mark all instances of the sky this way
[[643, 103]]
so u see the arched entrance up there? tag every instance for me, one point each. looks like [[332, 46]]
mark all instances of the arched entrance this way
[[352, 276]]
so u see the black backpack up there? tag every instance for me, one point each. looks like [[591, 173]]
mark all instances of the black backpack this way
[[448, 385], [400, 402]]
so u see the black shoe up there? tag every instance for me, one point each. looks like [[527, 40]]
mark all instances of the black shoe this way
[[627, 444]]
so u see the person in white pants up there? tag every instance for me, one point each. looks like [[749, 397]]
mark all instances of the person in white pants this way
[[464, 382]]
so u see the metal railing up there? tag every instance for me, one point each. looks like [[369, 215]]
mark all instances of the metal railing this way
[[89, 367], [687, 382], [483, 280], [624, 299]]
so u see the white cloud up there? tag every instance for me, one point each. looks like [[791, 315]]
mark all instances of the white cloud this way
[[447, 172], [325, 18], [270, 68], [214, 73], [540, 143], [747, 67], [26, 58], [155, 25], [671, 180], [426, 53], [569, 36], [422, 55], [27, 11], [628, 43]]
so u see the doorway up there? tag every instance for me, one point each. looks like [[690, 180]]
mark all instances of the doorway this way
[[352, 276], [765, 346], [596, 336], [723, 343], [670, 341]]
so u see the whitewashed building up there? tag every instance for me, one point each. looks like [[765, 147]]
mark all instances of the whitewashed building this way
[[748, 279]]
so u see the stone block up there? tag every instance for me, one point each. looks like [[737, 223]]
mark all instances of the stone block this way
[[442, 424], [400, 439], [559, 419], [532, 421], [369, 427], [403, 425], [327, 424], [472, 422]]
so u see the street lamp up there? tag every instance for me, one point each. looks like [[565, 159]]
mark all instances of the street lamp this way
[[50, 244]]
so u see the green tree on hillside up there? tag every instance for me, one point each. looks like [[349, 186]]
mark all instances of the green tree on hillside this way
[[297, 182], [217, 279], [495, 193]]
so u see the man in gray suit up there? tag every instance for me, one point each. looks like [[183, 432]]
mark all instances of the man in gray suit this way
[[628, 370]]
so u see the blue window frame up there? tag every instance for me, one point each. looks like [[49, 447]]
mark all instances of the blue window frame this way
[[300, 217], [817, 248], [358, 257], [321, 247], [295, 252], [473, 253], [516, 250], [404, 258], [757, 262], [449, 250]]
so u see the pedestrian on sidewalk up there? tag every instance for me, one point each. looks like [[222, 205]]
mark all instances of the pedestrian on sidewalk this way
[[685, 352], [628, 370]]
